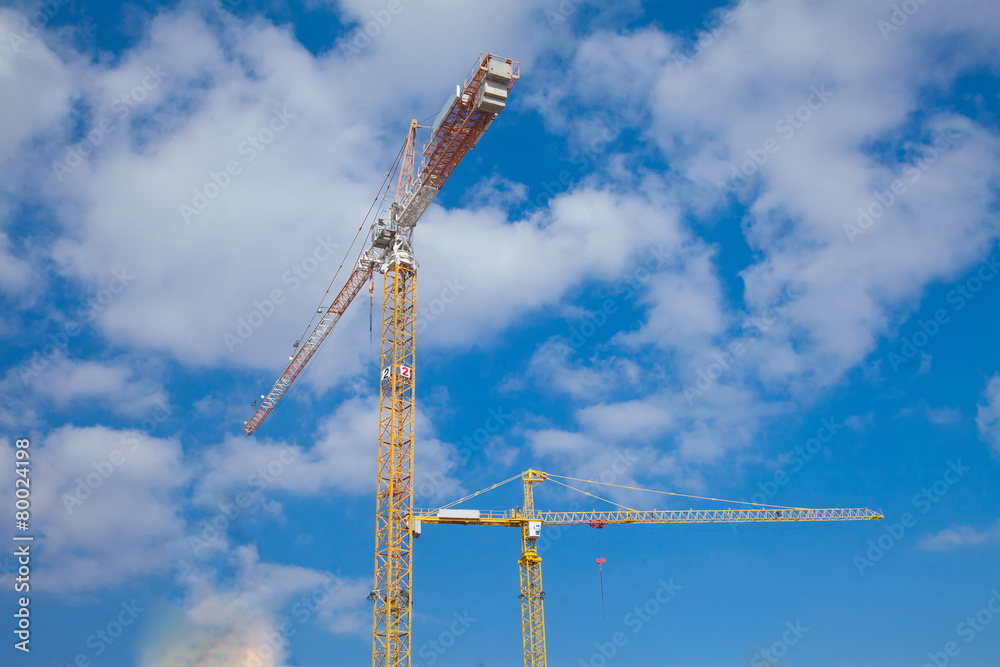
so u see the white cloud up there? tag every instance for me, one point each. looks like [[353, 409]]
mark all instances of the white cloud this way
[[988, 415], [514, 269], [64, 382], [925, 363], [108, 506], [104, 517], [960, 537], [860, 423], [216, 88], [35, 85], [672, 437], [248, 618], [729, 99], [342, 457], [685, 305], [496, 191], [628, 419], [812, 186], [943, 416], [553, 368], [15, 273], [713, 113]]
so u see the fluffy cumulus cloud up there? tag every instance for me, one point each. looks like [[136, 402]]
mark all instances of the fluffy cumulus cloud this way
[[107, 504], [110, 507], [248, 617], [37, 83], [813, 119], [342, 458], [61, 382], [510, 270], [223, 168], [782, 87], [207, 150], [15, 272], [959, 537]]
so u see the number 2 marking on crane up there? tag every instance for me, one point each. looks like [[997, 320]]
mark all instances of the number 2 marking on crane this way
[[404, 371]]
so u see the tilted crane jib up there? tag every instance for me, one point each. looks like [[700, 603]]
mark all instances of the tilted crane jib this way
[[466, 116]]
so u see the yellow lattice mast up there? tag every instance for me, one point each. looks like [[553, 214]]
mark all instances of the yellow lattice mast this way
[[532, 596], [530, 522], [394, 498]]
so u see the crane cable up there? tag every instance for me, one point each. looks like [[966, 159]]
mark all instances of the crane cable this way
[[628, 509], [669, 493], [385, 183], [371, 308], [600, 573], [489, 488], [599, 559], [550, 477]]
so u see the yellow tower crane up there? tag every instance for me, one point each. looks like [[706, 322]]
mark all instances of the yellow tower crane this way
[[465, 117], [463, 120], [530, 522]]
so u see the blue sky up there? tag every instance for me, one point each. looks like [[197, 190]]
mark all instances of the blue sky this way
[[744, 251]]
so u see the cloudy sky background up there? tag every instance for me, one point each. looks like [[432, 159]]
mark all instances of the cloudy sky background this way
[[696, 239]]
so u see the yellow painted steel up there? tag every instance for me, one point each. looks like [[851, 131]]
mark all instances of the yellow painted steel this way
[[452, 139], [390, 252], [532, 596], [394, 504], [513, 519]]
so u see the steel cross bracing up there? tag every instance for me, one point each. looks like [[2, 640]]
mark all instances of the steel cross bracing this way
[[308, 348], [530, 522], [467, 117], [532, 595], [466, 120], [461, 124], [514, 518], [457, 130], [394, 500]]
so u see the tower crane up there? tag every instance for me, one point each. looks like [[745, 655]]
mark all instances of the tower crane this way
[[530, 522], [465, 117]]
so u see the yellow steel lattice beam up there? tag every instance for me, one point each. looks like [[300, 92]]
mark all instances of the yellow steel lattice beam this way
[[530, 520], [394, 504]]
